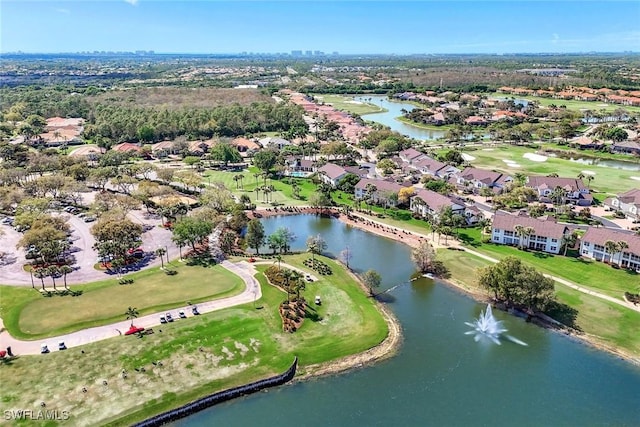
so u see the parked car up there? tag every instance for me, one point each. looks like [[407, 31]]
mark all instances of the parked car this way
[[318, 301], [163, 319], [182, 314], [44, 348], [82, 214], [89, 218], [7, 220], [194, 310], [62, 345], [169, 317]]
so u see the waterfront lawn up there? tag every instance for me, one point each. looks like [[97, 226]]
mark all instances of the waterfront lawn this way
[[283, 194], [32, 316], [607, 180], [347, 103], [190, 358], [590, 274], [607, 323]]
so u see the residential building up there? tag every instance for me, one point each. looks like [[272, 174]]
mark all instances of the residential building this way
[[628, 203], [574, 189], [298, 166], [429, 166], [593, 245], [410, 155], [629, 147], [274, 143], [474, 179], [429, 204], [126, 147], [163, 149], [246, 146], [381, 189], [547, 233], [331, 174]]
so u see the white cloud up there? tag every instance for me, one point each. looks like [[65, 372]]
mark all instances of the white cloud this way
[[555, 38], [132, 2], [60, 10]]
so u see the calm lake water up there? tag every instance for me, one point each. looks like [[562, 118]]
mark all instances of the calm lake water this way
[[615, 164], [442, 377], [388, 118]]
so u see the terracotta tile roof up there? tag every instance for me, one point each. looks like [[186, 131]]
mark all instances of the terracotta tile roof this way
[[126, 147], [544, 228], [600, 235]]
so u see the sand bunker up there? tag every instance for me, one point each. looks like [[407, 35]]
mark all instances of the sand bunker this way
[[535, 157], [588, 172], [636, 178], [512, 163], [467, 157], [488, 149]]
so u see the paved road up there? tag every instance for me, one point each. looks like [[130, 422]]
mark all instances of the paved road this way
[[251, 293]]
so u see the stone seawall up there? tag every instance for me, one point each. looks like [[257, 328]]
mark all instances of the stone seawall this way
[[221, 396]]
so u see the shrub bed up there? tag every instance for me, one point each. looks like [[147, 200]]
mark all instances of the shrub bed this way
[[318, 266]]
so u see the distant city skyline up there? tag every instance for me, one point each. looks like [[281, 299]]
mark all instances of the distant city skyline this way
[[353, 27]]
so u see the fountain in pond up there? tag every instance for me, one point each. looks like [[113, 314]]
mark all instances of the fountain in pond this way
[[487, 326]]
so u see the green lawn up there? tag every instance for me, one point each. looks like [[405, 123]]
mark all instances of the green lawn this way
[[31, 316], [572, 104], [346, 103], [607, 180], [283, 194], [609, 323], [590, 274], [199, 355]]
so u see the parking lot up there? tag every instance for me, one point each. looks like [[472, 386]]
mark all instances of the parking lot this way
[[82, 241]]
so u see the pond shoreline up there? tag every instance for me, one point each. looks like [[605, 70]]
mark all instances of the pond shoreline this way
[[413, 240]]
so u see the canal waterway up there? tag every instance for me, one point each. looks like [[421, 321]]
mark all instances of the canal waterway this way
[[389, 117], [442, 377]]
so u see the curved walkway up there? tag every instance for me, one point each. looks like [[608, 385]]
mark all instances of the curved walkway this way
[[251, 293], [621, 302]]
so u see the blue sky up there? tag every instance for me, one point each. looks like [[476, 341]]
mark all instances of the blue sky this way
[[347, 27]]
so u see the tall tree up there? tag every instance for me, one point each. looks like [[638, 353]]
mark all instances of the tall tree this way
[[316, 245], [424, 256], [189, 230], [372, 280], [255, 236], [132, 313]]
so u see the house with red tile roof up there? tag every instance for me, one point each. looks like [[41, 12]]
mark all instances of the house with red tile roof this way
[[628, 203], [245, 145], [628, 147], [126, 147], [594, 245], [546, 236]]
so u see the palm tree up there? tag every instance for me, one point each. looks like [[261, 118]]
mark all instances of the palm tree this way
[[287, 277], [522, 233], [65, 269], [581, 175], [622, 245], [41, 273], [589, 179], [279, 259], [236, 178], [132, 313], [557, 197], [610, 248], [569, 240], [160, 252], [53, 271]]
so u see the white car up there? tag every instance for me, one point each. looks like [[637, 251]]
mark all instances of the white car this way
[[44, 348]]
